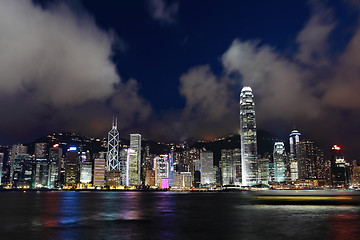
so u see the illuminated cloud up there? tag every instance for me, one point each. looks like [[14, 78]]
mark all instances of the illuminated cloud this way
[[163, 11]]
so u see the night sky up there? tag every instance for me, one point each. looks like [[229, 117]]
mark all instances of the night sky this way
[[173, 70]]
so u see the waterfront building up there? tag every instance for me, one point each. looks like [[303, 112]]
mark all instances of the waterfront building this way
[[132, 168], [249, 161], [294, 140], [311, 161], [86, 172], [150, 178], [135, 144], [1, 166], [55, 156], [99, 172], [19, 170], [15, 150], [279, 156], [122, 164], [206, 168], [264, 170], [182, 180], [112, 156], [72, 168], [306, 159], [161, 167], [227, 167], [114, 179], [355, 178], [340, 169]]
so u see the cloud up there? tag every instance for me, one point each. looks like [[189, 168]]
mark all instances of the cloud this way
[[57, 73], [163, 11], [312, 40], [342, 90], [279, 83], [54, 55], [211, 108]]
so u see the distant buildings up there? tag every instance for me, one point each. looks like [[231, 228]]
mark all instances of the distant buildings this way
[[279, 156], [112, 156], [249, 161], [294, 140], [72, 168], [99, 172], [206, 168], [340, 170]]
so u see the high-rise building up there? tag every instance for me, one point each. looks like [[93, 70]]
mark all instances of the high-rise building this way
[[15, 150], [135, 144], [293, 140], [99, 172], [340, 169], [55, 156], [112, 156], [86, 172], [132, 168], [264, 170], [19, 171], [161, 167], [1, 166], [206, 168], [305, 152], [41, 150], [150, 178], [72, 167], [114, 179], [249, 161], [122, 162], [279, 162], [227, 167], [182, 180]]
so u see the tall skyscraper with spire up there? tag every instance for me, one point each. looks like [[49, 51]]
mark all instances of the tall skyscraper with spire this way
[[112, 157], [293, 140], [248, 138]]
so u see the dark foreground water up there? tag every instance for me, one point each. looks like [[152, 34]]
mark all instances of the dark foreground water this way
[[165, 215]]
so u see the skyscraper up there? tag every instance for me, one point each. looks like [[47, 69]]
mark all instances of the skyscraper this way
[[248, 138], [340, 170], [72, 167], [135, 159], [112, 157], [279, 162], [206, 168], [99, 172], [293, 140], [306, 159], [15, 150]]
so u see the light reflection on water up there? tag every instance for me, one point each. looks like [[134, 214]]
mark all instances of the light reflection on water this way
[[164, 215]]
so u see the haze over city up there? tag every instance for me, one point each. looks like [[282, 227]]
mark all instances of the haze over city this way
[[173, 70]]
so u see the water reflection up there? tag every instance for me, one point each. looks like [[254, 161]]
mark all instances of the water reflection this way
[[164, 215]]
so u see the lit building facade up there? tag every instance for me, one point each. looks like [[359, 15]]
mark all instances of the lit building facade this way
[[249, 161], [279, 156], [132, 168], [86, 172], [135, 144], [112, 156], [340, 169], [206, 168], [99, 172], [161, 167], [72, 168], [55, 155], [15, 150], [294, 139]]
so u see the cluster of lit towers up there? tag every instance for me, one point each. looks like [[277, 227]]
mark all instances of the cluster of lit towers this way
[[65, 166]]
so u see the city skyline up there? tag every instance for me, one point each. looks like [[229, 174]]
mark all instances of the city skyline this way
[[173, 70]]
